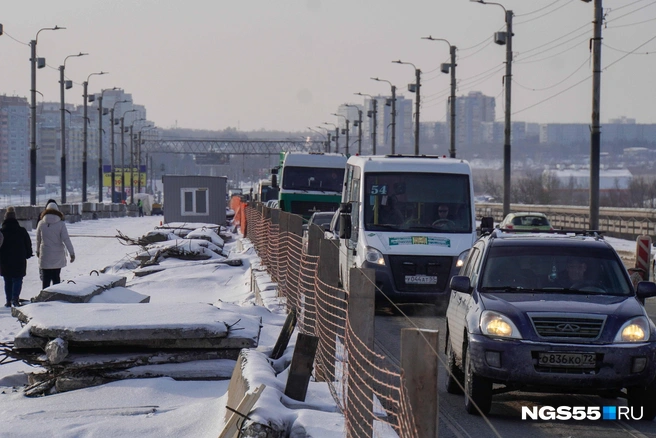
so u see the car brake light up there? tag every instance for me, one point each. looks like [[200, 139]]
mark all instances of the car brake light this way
[[510, 227]]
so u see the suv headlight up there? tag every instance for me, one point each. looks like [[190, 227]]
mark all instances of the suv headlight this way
[[374, 256], [634, 330], [498, 325]]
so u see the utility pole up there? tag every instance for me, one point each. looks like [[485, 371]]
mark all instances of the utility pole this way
[[100, 138], [113, 172], [62, 127], [595, 134], [359, 132], [84, 142], [507, 126], [131, 165], [393, 103], [33, 62], [393, 119], [139, 163], [373, 115], [452, 98], [417, 102]]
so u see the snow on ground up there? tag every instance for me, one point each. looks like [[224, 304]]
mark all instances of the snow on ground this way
[[156, 407]]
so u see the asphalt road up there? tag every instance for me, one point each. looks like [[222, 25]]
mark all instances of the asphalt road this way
[[505, 416]]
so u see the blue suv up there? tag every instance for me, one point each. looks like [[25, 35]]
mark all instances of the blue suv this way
[[549, 312]]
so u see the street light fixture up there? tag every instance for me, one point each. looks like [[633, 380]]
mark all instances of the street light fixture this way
[[328, 140], [374, 115], [502, 38], [416, 89], [346, 131], [86, 97], [35, 63], [357, 123], [64, 85], [101, 113], [336, 135], [393, 112], [445, 69], [113, 145]]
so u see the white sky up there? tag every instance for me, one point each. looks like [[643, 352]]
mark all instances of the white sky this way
[[287, 65], [125, 408]]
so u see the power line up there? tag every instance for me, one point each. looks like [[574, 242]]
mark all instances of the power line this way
[[630, 53], [631, 24], [557, 39], [537, 10], [626, 6], [558, 83], [545, 14], [20, 42], [574, 46], [632, 12], [551, 97], [624, 51]]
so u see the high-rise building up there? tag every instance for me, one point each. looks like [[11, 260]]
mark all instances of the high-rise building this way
[[471, 111], [14, 140]]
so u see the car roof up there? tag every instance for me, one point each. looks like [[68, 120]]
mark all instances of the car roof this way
[[562, 239]]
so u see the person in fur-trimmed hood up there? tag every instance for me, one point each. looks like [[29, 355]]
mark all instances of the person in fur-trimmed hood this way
[[52, 241]]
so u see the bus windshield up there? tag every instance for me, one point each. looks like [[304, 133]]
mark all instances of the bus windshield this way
[[429, 202], [313, 178]]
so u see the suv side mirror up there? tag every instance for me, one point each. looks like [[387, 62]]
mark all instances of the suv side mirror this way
[[460, 283], [645, 289], [487, 224]]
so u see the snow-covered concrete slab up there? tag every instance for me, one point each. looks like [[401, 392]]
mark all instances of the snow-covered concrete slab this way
[[119, 295], [160, 325], [80, 289]]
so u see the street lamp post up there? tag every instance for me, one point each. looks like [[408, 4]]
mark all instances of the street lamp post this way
[[417, 88], [64, 85], [505, 38], [100, 139], [324, 136], [85, 86], [374, 115], [123, 151], [452, 99], [132, 158], [346, 132], [393, 112], [143, 129], [328, 140], [114, 122], [359, 125], [34, 64], [336, 135]]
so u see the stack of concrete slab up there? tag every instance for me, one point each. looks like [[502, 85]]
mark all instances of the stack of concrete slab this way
[[94, 287], [89, 344]]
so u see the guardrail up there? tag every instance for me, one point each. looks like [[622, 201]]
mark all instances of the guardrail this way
[[623, 223]]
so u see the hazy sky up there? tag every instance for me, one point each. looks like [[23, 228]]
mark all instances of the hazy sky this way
[[288, 64]]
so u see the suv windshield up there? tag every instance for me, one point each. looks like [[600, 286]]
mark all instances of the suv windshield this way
[[554, 269], [432, 202]]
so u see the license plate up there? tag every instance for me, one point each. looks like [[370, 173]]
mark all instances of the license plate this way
[[420, 279], [572, 360]]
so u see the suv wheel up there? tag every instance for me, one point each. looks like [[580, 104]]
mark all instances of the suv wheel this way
[[642, 397], [455, 378], [478, 390]]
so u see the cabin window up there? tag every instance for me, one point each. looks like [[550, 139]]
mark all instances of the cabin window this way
[[194, 201]]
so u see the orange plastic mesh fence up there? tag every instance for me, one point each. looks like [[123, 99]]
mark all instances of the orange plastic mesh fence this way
[[365, 385]]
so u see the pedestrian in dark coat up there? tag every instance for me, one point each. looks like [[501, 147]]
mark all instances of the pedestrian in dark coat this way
[[15, 250]]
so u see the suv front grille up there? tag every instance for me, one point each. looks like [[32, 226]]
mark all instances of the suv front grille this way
[[586, 327]]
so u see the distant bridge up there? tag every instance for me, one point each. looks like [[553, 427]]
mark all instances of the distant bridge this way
[[230, 147]]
